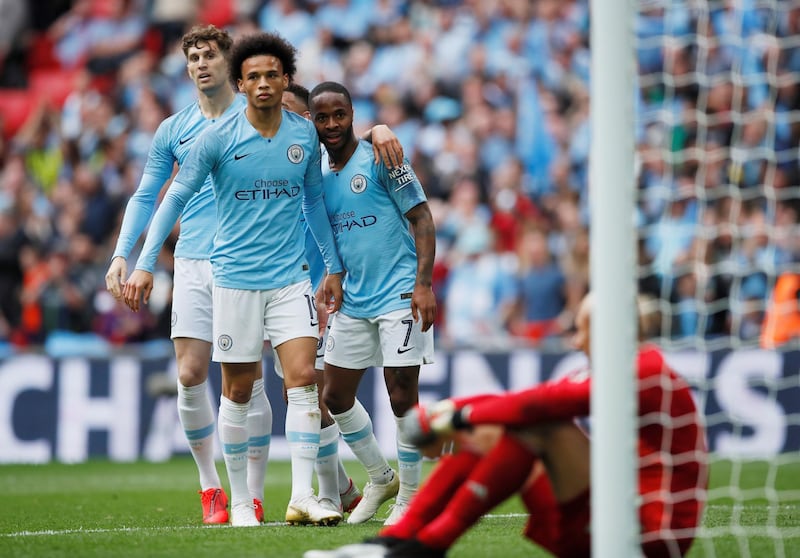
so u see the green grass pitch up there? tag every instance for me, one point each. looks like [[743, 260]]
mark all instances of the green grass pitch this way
[[152, 509]]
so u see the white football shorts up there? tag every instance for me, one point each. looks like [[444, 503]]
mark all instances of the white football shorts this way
[[192, 288], [243, 319], [392, 339], [319, 361]]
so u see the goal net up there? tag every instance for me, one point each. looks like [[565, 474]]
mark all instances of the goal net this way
[[718, 205]]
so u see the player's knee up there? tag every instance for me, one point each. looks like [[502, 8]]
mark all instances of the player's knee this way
[[192, 375], [337, 402], [402, 400]]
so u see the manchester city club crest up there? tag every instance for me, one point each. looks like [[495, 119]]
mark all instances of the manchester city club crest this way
[[358, 183], [295, 153], [225, 342]]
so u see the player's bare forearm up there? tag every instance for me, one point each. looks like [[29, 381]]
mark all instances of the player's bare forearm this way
[[425, 241], [423, 301]]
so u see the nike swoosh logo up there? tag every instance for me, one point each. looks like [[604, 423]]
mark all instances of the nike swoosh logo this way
[[401, 350], [181, 142], [237, 157]]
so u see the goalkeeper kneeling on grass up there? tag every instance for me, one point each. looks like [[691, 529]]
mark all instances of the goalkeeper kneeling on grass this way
[[529, 442]]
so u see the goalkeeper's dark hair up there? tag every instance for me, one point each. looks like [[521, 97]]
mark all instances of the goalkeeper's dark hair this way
[[330, 87], [266, 44]]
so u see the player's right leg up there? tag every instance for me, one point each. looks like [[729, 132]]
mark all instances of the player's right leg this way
[[191, 335], [238, 342], [351, 348]]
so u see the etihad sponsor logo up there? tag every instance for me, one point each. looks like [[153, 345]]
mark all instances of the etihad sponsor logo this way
[[268, 190], [354, 223]]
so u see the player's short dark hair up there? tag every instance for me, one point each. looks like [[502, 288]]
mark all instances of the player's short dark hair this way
[[257, 44], [331, 87], [200, 34], [298, 91]]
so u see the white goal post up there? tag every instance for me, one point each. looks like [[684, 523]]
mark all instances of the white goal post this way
[[615, 523], [694, 191]]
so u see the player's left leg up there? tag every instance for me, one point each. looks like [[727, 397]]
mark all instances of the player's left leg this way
[[259, 429], [302, 430], [404, 347], [294, 333], [402, 384]]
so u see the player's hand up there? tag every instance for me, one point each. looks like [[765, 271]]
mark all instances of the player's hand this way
[[115, 276], [322, 309], [386, 146], [333, 292], [425, 424], [137, 287], [423, 306]]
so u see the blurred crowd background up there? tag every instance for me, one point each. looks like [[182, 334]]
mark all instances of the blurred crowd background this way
[[490, 99]]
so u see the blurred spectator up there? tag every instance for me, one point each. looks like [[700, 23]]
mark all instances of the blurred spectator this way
[[13, 28], [12, 242], [480, 293], [542, 289]]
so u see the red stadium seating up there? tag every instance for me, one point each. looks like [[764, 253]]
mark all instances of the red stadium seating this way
[[16, 105]]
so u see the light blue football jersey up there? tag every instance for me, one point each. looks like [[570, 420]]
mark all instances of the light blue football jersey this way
[[261, 188], [366, 205], [171, 143]]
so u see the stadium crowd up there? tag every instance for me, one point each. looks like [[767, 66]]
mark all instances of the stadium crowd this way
[[490, 100]]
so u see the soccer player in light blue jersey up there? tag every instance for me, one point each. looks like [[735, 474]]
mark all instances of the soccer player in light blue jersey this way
[[265, 168], [386, 238], [205, 49], [336, 488]]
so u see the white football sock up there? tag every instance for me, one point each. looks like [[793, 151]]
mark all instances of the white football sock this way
[[197, 419], [233, 435], [259, 429], [344, 478], [356, 428], [302, 435], [409, 462], [326, 464]]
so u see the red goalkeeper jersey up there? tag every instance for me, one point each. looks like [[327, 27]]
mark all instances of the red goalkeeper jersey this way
[[672, 447]]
